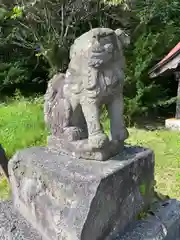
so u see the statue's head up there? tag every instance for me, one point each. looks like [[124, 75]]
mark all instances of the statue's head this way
[[99, 45]]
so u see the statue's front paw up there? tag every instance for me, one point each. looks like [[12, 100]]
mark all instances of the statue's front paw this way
[[121, 135], [98, 141]]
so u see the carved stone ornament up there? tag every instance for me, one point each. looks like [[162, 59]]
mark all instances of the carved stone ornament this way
[[73, 101]]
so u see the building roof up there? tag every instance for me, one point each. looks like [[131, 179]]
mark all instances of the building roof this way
[[170, 56]]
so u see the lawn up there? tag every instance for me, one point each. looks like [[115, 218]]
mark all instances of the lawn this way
[[22, 125]]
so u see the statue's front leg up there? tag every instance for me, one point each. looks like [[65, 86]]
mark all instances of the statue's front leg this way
[[96, 137], [72, 130], [117, 127]]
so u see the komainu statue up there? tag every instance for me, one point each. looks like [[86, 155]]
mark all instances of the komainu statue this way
[[73, 101]]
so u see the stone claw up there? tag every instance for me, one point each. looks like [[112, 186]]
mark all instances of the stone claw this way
[[98, 141], [73, 133]]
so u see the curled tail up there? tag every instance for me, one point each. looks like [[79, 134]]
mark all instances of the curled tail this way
[[57, 109], [54, 86]]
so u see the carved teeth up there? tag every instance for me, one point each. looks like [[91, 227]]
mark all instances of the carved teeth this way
[[98, 50]]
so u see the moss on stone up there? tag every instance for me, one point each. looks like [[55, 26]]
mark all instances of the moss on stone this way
[[142, 189]]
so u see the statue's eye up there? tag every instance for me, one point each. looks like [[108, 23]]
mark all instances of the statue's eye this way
[[104, 40], [104, 35]]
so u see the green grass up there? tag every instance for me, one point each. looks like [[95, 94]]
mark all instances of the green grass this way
[[22, 125], [166, 145]]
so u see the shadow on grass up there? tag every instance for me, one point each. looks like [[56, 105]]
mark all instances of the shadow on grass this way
[[150, 124]]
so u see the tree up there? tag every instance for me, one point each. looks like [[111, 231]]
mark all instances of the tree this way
[[40, 32], [18, 65], [155, 30], [51, 26]]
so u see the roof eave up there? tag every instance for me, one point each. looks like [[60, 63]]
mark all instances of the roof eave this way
[[154, 72]]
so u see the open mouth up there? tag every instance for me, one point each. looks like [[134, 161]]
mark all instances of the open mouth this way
[[103, 50], [98, 51]]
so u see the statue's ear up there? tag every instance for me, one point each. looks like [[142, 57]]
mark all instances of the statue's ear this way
[[123, 37]]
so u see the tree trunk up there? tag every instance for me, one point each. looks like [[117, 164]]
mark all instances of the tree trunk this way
[[178, 97]]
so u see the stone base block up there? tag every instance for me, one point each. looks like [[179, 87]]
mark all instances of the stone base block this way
[[164, 224], [68, 198], [173, 124], [13, 226]]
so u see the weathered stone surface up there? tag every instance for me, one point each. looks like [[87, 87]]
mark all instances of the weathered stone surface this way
[[164, 224], [73, 101], [67, 198], [13, 226], [81, 149]]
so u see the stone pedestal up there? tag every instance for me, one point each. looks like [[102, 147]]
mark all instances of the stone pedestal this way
[[67, 198], [13, 226], [164, 223], [173, 124]]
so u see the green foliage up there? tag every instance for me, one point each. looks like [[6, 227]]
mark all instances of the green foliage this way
[[3, 14], [35, 38], [38, 34], [142, 215], [142, 189], [17, 12], [19, 67], [155, 32], [51, 26], [165, 145], [12, 73]]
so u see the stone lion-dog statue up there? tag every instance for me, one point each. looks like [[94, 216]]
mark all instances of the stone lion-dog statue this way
[[73, 101]]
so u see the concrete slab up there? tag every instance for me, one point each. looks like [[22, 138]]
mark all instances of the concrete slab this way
[[173, 124]]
